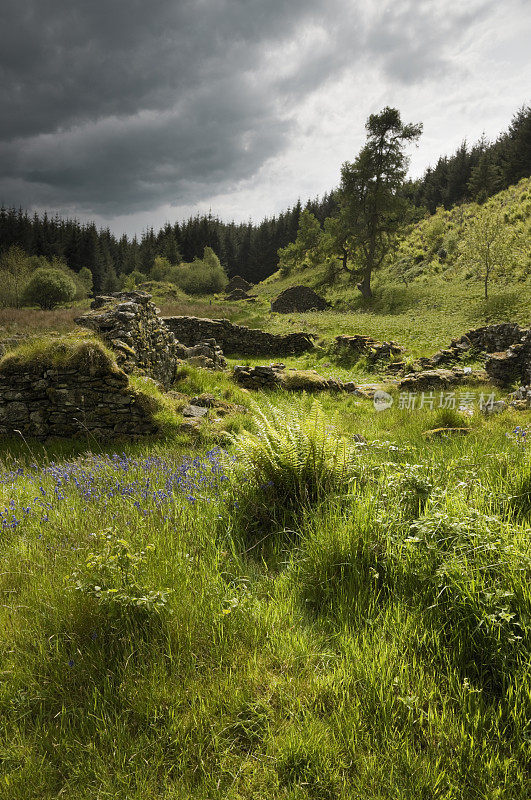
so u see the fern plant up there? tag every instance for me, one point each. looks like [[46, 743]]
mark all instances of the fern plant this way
[[294, 459]]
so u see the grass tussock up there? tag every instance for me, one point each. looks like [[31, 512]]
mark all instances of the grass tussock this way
[[77, 351]]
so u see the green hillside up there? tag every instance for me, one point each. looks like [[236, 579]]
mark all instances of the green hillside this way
[[427, 291]]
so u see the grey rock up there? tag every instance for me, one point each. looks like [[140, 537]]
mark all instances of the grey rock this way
[[194, 411]]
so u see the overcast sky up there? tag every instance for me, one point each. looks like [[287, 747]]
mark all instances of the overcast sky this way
[[136, 112]]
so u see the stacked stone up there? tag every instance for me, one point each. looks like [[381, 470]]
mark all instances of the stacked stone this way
[[488, 339], [44, 402], [492, 338], [129, 323], [238, 338], [373, 350], [440, 379], [513, 365], [238, 294], [259, 377], [206, 354], [237, 282]]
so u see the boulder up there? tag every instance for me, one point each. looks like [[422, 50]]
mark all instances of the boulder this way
[[237, 294], [298, 298]]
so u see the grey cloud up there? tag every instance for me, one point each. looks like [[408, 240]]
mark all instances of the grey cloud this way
[[413, 38], [117, 106]]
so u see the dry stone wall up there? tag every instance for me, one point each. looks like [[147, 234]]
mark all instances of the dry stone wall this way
[[238, 338], [513, 365], [129, 323], [373, 350], [43, 401], [276, 376]]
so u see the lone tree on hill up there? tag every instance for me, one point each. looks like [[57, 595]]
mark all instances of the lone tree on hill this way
[[371, 208]]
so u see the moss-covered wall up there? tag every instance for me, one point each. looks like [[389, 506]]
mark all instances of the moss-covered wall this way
[[66, 388]]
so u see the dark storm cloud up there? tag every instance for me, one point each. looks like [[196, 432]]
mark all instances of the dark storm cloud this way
[[116, 106]]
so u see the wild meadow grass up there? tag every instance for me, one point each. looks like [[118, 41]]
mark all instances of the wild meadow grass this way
[[299, 614]]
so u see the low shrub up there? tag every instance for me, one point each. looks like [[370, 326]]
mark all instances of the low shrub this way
[[449, 418], [113, 574]]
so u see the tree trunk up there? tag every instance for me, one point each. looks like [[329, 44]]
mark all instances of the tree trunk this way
[[365, 285]]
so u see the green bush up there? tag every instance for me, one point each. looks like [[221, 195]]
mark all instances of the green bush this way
[[48, 288], [134, 279], [200, 277], [113, 575]]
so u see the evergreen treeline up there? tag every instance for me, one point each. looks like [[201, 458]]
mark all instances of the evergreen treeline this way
[[472, 173], [245, 249], [476, 173]]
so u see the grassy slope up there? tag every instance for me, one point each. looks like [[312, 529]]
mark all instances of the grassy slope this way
[[439, 303]]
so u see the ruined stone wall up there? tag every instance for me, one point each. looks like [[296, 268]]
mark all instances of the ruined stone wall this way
[[42, 402], [129, 323], [373, 350], [492, 338], [238, 338], [276, 376], [512, 365]]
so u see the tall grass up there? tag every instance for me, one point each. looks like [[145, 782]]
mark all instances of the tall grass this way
[[385, 654]]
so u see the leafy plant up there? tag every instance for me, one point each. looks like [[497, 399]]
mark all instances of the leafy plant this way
[[412, 485], [112, 574], [295, 459]]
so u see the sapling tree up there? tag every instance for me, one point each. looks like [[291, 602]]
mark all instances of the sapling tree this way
[[489, 246]]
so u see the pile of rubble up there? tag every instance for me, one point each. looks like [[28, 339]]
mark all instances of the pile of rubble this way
[[298, 299], [237, 282], [356, 346]]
